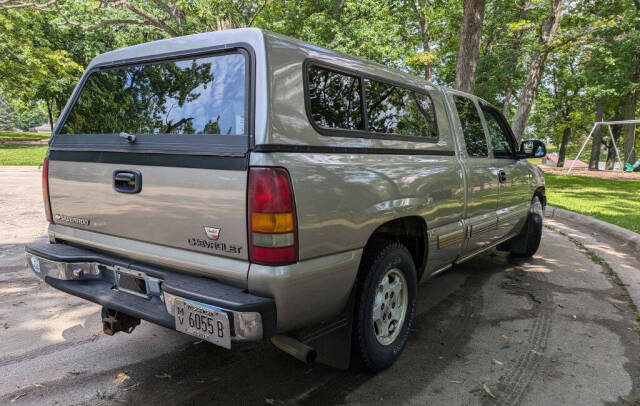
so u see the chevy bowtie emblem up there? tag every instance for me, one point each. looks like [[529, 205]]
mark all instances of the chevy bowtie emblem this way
[[213, 233]]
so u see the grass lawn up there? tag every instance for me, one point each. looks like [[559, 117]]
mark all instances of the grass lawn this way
[[614, 201], [15, 136], [22, 154]]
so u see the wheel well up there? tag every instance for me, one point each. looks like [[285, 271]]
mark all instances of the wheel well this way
[[408, 231], [540, 192]]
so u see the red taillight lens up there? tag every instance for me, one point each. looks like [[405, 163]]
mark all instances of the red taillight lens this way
[[45, 190], [273, 238]]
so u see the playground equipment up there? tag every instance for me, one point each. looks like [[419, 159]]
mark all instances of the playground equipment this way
[[628, 167], [613, 140]]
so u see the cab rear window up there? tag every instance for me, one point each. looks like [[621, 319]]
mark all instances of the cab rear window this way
[[203, 95]]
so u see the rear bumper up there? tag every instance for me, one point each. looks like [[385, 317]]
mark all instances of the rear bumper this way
[[92, 276]]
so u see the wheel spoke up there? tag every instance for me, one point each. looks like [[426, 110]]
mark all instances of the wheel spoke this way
[[389, 306], [396, 288]]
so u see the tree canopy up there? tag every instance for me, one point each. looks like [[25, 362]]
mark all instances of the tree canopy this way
[[552, 66]]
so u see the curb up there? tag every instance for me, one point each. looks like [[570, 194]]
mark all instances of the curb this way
[[617, 232]]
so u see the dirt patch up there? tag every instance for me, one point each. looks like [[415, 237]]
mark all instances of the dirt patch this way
[[24, 142], [618, 175]]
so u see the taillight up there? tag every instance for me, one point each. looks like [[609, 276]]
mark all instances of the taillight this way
[[45, 190], [273, 238]]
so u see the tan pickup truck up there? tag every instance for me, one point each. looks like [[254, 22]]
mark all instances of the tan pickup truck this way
[[242, 185]]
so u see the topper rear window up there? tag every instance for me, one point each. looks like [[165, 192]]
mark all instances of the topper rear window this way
[[201, 95]]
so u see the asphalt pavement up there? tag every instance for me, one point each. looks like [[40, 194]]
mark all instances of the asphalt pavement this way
[[556, 329]]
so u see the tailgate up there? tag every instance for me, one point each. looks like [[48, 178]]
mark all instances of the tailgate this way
[[192, 208], [156, 151]]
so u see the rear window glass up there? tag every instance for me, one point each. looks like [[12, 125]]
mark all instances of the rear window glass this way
[[395, 110], [205, 95], [334, 99]]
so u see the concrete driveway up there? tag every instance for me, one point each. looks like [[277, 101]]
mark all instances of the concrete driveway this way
[[557, 329]]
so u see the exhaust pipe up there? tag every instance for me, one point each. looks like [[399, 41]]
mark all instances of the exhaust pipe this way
[[295, 348]]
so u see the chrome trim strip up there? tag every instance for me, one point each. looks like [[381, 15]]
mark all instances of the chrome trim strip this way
[[448, 239], [485, 226], [485, 248]]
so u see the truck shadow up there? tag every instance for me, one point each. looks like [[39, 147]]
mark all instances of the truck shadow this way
[[449, 310]]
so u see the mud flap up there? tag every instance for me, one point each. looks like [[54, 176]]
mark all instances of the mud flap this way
[[332, 340]]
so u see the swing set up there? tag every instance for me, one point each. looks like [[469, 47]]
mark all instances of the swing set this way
[[613, 141]]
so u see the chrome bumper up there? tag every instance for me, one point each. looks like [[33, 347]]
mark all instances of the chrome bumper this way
[[69, 276]]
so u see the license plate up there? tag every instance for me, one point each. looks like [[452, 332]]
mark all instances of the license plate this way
[[204, 321]]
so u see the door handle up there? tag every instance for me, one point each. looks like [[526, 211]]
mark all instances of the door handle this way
[[127, 181], [502, 176]]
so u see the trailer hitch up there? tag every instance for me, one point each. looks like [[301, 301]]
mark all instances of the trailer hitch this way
[[114, 321]]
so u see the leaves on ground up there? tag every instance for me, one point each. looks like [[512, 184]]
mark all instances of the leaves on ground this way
[[488, 391]]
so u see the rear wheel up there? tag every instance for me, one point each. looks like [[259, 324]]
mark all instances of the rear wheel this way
[[527, 242], [385, 306]]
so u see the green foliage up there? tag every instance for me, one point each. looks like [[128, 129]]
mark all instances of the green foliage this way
[[7, 119], [597, 47]]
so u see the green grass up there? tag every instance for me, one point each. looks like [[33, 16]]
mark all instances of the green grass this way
[[15, 136], [613, 201], [22, 154]]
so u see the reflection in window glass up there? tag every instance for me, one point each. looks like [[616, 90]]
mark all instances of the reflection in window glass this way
[[472, 130], [394, 110], [499, 139], [196, 96], [334, 99]]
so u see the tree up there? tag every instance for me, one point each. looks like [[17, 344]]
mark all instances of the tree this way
[[7, 119], [528, 92], [594, 160], [469, 44], [171, 18]]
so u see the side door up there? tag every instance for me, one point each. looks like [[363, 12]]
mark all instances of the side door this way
[[513, 176], [481, 176]]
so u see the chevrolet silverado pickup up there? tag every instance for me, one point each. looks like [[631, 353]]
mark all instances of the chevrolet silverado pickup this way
[[242, 185]]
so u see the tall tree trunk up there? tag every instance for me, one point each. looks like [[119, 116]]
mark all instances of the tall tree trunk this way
[[424, 27], [611, 152], [594, 161], [566, 134], [617, 131], [517, 43], [528, 93], [628, 142], [421, 15], [469, 44], [48, 103]]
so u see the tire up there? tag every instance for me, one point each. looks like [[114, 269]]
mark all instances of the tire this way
[[389, 283], [525, 244]]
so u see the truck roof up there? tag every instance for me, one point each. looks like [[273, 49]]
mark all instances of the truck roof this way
[[259, 39]]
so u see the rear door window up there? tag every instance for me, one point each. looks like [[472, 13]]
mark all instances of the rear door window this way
[[474, 137], [204, 95], [396, 110], [334, 99]]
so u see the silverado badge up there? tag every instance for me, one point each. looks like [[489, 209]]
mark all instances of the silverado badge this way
[[213, 233]]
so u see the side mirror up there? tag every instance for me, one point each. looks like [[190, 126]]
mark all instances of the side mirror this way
[[532, 149]]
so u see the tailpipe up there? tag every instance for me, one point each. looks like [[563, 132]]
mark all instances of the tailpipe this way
[[114, 321], [295, 348]]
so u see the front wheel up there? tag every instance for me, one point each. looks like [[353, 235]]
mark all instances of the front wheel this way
[[527, 242], [385, 306]]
